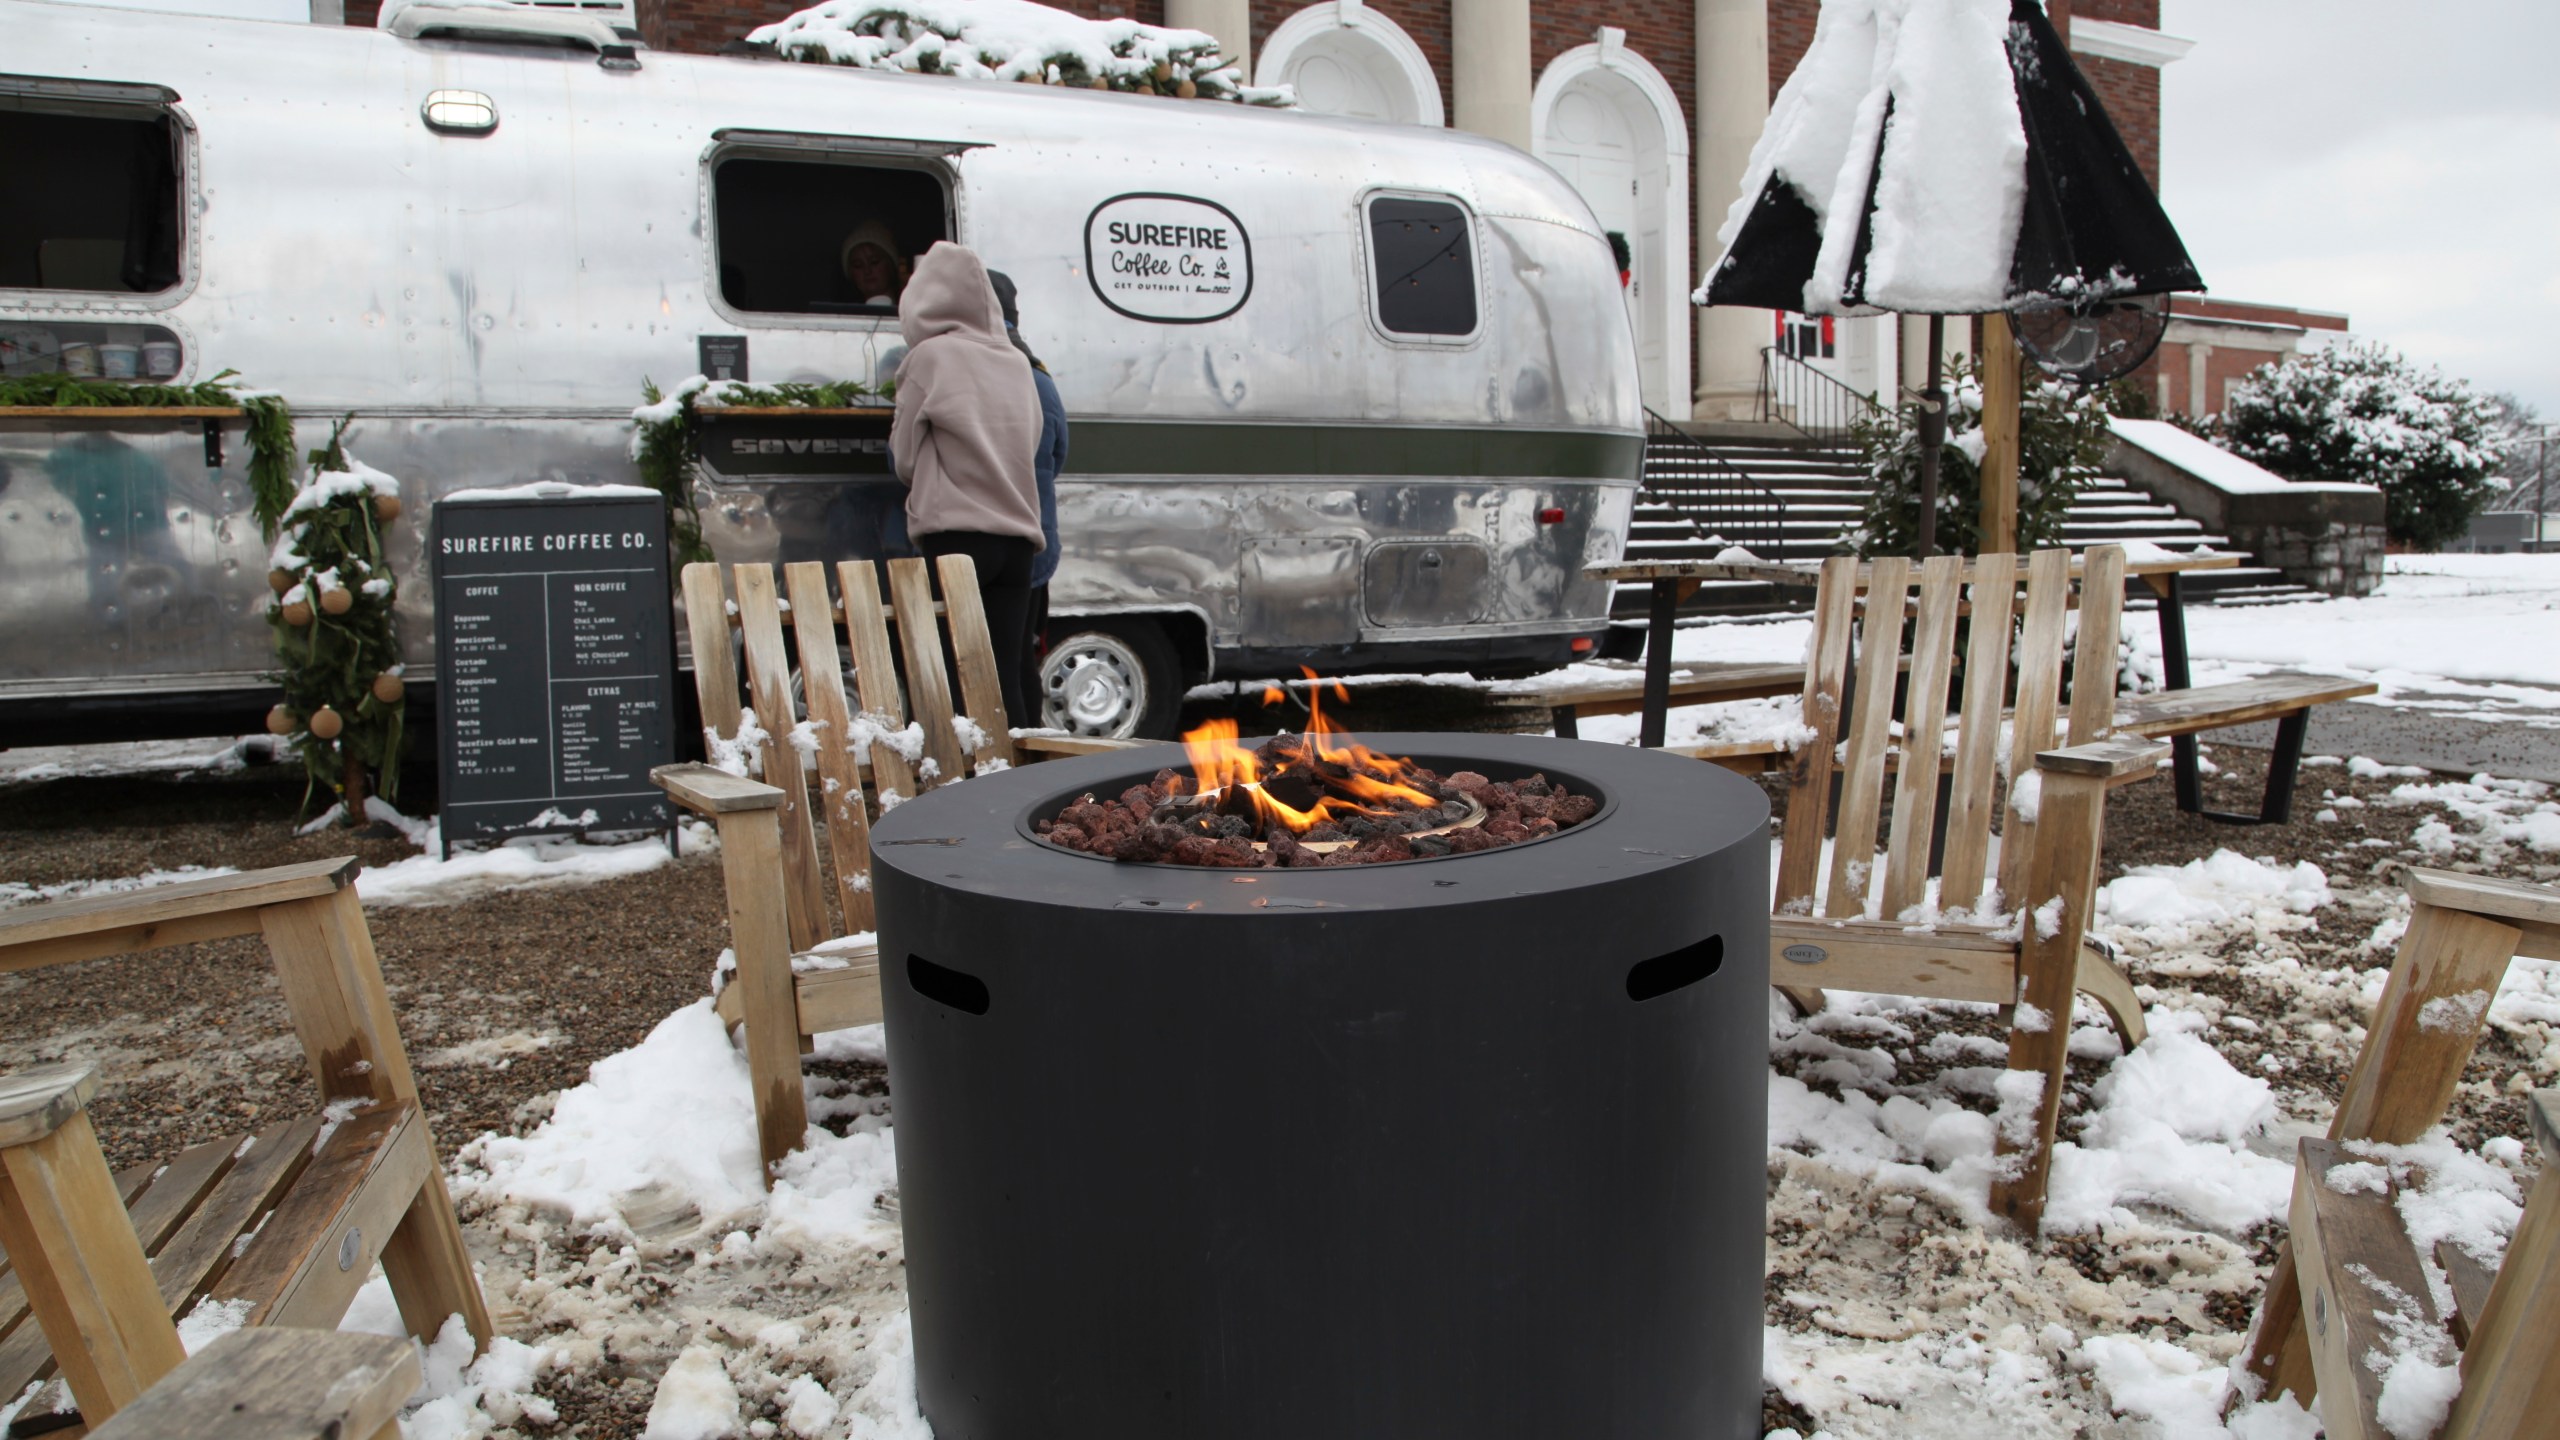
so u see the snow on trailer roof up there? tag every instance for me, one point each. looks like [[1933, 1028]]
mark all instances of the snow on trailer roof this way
[[1015, 40]]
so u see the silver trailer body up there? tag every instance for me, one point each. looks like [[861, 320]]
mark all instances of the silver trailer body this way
[[1262, 478]]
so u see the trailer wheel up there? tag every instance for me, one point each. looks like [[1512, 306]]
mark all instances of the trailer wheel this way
[[1111, 676]]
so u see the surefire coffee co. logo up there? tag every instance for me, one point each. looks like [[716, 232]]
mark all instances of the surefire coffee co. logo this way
[[1168, 258]]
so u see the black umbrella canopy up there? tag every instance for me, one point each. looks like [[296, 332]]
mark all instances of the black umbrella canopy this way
[[1889, 110]]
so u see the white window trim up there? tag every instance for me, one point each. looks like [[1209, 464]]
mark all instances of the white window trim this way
[[2112, 40], [1283, 43], [1609, 52]]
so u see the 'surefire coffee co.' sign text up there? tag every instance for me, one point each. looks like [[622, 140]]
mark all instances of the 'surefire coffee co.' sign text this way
[[1171, 259]]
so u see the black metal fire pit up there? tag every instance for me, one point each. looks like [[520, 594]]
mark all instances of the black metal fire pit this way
[[1469, 1147]]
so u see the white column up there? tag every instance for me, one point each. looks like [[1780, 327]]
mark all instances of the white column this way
[[2198, 404], [1230, 20], [1489, 68], [1733, 103]]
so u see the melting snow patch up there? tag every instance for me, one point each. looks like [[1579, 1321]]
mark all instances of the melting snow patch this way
[[2172, 905]]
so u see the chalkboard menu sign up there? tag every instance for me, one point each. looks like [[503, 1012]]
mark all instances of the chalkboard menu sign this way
[[555, 660]]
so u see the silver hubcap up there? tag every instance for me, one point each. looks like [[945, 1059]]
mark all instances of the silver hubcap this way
[[1093, 685]]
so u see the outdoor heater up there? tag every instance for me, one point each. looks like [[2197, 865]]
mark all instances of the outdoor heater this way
[[1468, 1147]]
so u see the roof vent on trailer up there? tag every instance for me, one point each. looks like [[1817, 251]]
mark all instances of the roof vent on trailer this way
[[602, 25]]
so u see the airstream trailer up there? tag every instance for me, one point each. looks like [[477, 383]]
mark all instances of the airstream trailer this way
[[1356, 396]]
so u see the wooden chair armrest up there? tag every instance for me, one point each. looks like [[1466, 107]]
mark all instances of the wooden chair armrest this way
[[1078, 744], [2512, 900], [277, 1384], [35, 926], [2123, 757], [708, 791], [35, 1103]]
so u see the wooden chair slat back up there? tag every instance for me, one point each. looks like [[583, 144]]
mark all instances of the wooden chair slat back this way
[[1924, 723], [875, 672], [2039, 700], [769, 685], [928, 684], [973, 649], [840, 774], [715, 675], [1869, 726], [1826, 684], [1970, 799], [2093, 674]]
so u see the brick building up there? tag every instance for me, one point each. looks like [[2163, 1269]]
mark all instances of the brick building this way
[[1642, 104]]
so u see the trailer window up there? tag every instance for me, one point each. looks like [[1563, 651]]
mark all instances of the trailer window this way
[[89, 199], [1425, 266], [802, 237]]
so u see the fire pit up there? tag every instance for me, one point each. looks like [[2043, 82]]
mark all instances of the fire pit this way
[[1465, 1146]]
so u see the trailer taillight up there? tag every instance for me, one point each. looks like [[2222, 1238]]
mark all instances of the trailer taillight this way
[[1552, 515]]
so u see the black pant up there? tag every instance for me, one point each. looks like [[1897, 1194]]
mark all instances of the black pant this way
[[1004, 589], [1035, 648]]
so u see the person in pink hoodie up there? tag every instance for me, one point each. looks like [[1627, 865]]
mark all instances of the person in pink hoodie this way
[[964, 437]]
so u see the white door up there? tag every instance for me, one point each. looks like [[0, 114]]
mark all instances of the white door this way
[[1593, 142]]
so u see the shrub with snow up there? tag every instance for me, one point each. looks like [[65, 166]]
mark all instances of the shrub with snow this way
[[1014, 40], [2363, 413], [2062, 437]]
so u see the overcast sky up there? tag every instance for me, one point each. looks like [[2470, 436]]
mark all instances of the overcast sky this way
[[2397, 161]]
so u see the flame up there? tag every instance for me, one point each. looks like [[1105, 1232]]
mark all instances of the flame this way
[[1273, 694], [1219, 760]]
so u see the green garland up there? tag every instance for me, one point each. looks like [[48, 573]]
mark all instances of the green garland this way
[[343, 695], [270, 420], [666, 439]]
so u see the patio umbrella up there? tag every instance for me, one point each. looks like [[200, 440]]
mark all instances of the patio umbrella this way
[[1941, 157]]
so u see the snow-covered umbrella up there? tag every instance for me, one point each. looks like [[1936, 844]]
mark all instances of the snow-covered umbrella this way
[[1941, 157]]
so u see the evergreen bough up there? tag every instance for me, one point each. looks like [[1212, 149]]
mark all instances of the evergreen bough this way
[[2062, 438]]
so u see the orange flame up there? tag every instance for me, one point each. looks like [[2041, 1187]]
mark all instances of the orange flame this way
[[1273, 694], [1218, 761]]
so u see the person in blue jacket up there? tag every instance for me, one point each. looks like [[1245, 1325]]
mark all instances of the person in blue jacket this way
[[1046, 462]]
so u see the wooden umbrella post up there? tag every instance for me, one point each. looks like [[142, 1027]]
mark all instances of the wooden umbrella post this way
[[2001, 387]]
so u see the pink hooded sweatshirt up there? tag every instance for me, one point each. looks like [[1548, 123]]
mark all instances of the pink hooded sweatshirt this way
[[968, 417]]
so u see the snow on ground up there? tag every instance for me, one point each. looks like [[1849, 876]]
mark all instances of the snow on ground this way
[[527, 862], [627, 1243], [2470, 635], [29, 764]]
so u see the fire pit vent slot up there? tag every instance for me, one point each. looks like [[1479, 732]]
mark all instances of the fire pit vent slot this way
[[945, 986], [1652, 979]]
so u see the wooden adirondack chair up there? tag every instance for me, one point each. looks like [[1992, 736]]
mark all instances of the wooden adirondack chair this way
[[2462, 932], [288, 1221], [1845, 924], [900, 742]]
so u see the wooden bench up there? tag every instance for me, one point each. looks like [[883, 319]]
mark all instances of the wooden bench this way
[[2285, 697], [1830, 931], [287, 1223], [278, 1384], [2321, 1315], [800, 973]]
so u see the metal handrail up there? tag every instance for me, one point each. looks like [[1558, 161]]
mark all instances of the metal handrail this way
[[1737, 507], [1813, 404]]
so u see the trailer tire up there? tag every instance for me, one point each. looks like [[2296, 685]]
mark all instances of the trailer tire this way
[[1117, 677]]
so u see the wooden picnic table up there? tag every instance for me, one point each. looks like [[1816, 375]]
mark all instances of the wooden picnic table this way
[[1676, 580]]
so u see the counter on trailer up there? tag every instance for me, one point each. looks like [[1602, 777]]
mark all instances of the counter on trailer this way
[[1284, 469]]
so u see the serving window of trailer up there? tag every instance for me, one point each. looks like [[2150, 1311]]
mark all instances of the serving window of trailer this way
[[815, 229], [92, 184], [1422, 266]]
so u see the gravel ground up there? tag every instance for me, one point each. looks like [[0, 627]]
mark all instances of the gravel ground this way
[[510, 998]]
